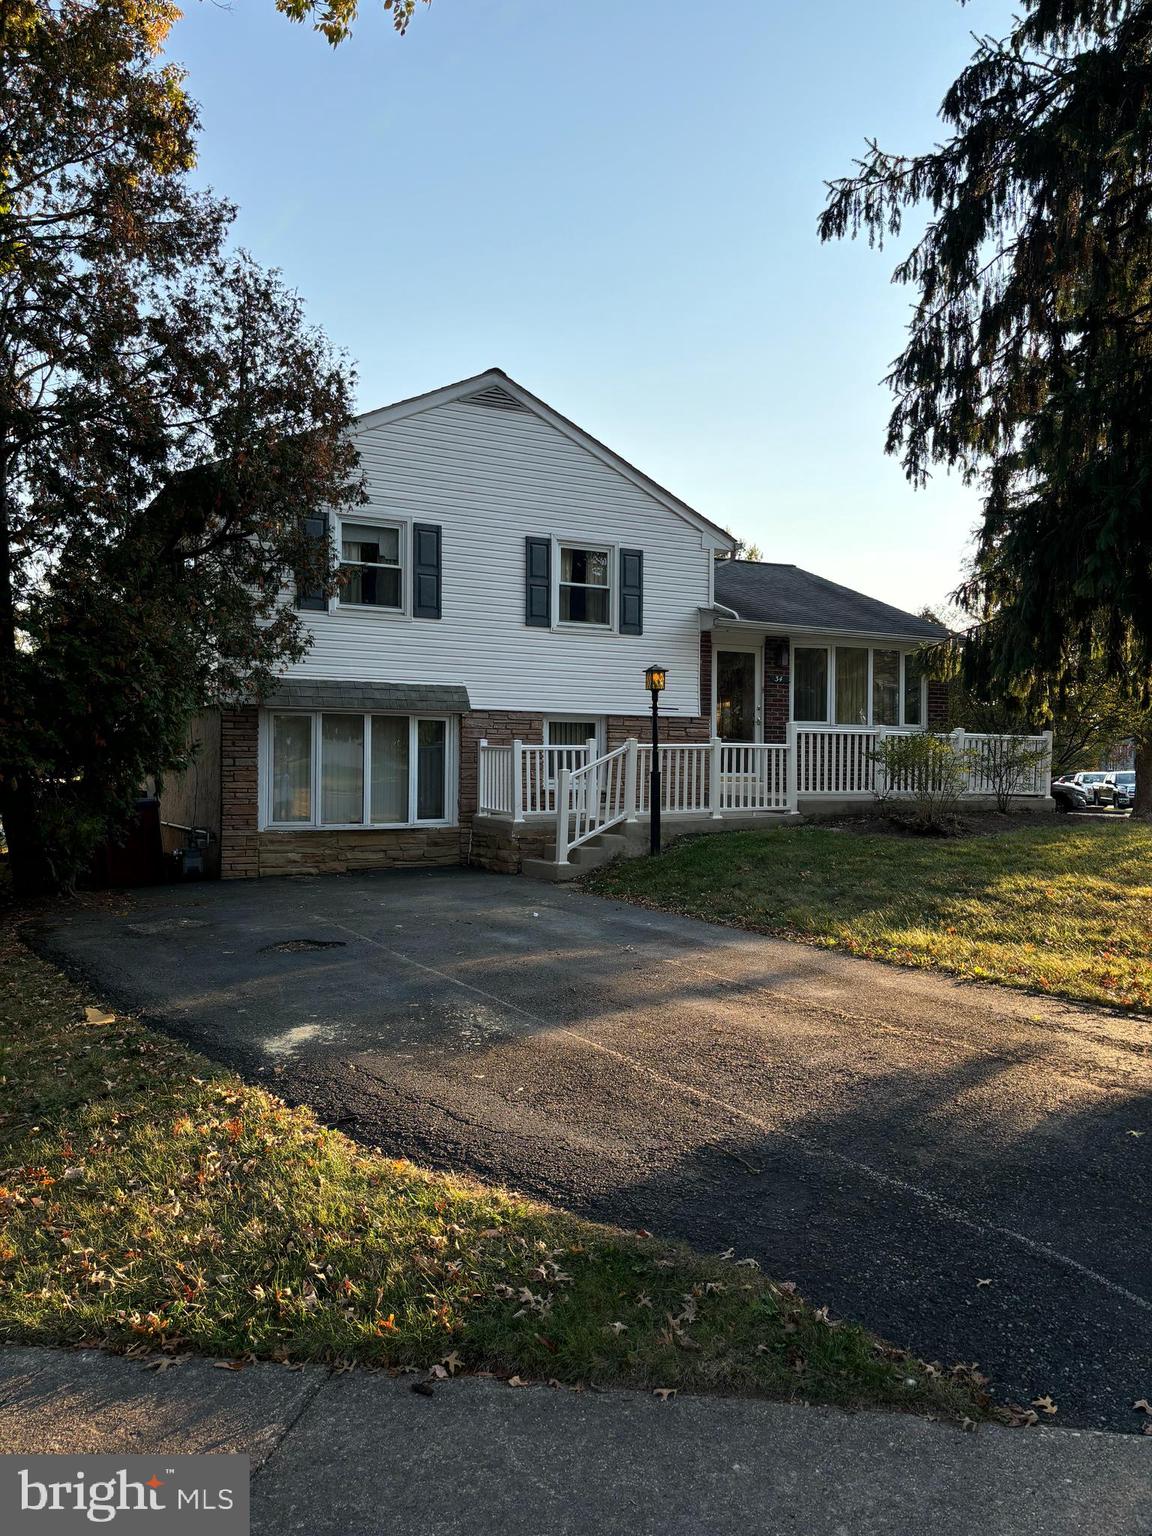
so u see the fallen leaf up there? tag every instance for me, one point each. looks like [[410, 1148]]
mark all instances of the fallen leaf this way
[[437, 1373], [515, 1381], [1143, 1405], [424, 1388], [228, 1365], [98, 1016], [1045, 1404], [983, 1282], [664, 1393], [165, 1362], [452, 1363]]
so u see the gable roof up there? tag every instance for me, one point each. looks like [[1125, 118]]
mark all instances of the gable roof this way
[[494, 388], [784, 595]]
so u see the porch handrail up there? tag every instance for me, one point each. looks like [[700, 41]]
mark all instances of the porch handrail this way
[[597, 795]]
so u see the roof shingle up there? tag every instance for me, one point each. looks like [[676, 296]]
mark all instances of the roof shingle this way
[[784, 595]]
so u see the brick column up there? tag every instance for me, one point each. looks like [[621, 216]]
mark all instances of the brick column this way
[[777, 687], [937, 705], [239, 787]]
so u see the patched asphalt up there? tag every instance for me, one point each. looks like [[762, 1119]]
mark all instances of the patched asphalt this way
[[964, 1169]]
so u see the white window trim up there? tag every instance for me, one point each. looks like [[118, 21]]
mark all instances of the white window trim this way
[[612, 551], [451, 773], [829, 647], [370, 518], [829, 694], [558, 717]]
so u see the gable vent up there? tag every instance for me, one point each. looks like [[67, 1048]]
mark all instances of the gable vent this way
[[495, 398]]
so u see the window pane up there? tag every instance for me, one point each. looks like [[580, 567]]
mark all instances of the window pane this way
[[342, 768], [912, 691], [374, 585], [584, 605], [851, 686], [570, 733], [810, 664], [291, 768], [389, 768], [380, 546], [431, 739], [885, 687], [589, 565]]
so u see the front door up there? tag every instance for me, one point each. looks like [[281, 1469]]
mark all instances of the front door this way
[[738, 695]]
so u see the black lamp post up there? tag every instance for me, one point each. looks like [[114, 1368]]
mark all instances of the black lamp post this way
[[655, 680]]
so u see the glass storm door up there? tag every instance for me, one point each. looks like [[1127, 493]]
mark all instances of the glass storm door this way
[[737, 695]]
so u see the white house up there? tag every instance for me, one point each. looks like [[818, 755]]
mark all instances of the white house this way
[[479, 676]]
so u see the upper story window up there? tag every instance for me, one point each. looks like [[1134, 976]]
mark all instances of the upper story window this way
[[371, 565], [585, 585]]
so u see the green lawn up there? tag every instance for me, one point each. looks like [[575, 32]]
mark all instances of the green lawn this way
[[1063, 907], [153, 1202]]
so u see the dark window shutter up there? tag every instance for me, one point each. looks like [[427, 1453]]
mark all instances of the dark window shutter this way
[[312, 598], [631, 591], [426, 564], [538, 582]]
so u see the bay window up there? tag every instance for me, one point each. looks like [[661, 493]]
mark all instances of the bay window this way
[[357, 770]]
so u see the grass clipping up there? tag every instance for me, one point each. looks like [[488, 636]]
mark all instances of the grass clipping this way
[[152, 1203]]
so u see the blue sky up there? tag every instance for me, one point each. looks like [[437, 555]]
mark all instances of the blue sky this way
[[617, 205]]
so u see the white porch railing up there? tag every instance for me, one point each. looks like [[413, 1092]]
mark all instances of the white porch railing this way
[[523, 779], [587, 794], [838, 761]]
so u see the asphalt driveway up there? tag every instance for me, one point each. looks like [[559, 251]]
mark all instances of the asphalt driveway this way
[[964, 1169]]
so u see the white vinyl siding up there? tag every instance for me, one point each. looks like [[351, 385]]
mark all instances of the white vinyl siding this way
[[489, 479]]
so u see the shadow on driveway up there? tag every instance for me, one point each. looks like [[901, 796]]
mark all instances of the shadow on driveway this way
[[961, 1168]]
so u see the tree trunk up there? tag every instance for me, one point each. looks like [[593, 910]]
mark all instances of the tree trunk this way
[[1142, 805], [32, 870]]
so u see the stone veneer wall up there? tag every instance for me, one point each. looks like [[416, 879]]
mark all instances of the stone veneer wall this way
[[245, 851]]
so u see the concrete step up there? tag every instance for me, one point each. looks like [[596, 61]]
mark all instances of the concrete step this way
[[590, 855], [548, 869]]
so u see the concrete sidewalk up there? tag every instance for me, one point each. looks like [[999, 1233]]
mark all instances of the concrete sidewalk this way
[[362, 1455]]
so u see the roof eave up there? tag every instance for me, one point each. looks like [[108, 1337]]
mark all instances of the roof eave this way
[[785, 626]]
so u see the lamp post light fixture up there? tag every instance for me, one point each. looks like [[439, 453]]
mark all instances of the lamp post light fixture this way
[[655, 680]]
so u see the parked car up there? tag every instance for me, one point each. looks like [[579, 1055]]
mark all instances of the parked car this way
[[1118, 789], [1069, 795], [1090, 783]]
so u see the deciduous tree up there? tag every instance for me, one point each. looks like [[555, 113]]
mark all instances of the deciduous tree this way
[[167, 422]]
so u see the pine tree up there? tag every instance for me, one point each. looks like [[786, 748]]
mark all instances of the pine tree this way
[[1028, 361]]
